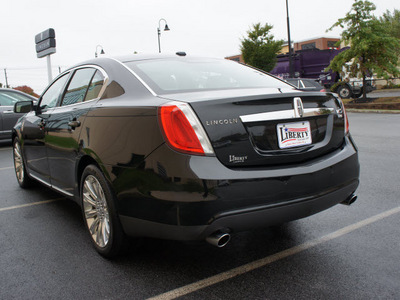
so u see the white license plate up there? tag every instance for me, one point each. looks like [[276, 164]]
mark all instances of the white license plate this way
[[294, 134]]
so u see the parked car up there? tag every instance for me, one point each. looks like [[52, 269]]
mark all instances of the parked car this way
[[306, 84], [184, 148], [8, 118]]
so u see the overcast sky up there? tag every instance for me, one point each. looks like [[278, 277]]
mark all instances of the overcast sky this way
[[202, 27]]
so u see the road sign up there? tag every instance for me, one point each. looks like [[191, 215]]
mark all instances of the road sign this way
[[45, 43], [45, 46]]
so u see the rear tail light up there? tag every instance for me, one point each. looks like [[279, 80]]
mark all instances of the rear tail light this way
[[342, 108], [182, 129], [346, 120]]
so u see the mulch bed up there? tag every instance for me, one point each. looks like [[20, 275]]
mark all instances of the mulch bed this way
[[375, 103]]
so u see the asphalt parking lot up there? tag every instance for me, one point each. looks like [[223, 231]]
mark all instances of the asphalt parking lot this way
[[342, 253]]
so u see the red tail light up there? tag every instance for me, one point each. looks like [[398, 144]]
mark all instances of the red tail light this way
[[182, 130], [346, 120]]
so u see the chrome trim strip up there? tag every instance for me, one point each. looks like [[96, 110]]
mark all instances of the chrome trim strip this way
[[136, 75], [285, 114], [51, 186], [62, 191], [40, 180]]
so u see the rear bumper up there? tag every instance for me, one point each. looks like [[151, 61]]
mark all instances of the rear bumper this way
[[192, 198], [239, 220]]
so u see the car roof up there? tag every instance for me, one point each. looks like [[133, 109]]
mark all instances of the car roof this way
[[17, 92]]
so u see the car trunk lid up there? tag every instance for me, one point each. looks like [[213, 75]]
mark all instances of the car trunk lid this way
[[267, 127]]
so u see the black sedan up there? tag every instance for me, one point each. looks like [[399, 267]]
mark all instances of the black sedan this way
[[184, 148], [8, 118]]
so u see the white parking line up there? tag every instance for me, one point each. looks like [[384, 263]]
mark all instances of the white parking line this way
[[179, 292], [4, 149], [29, 204]]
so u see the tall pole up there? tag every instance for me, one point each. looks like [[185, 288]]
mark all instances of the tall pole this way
[[49, 73], [5, 75], [159, 33], [291, 75]]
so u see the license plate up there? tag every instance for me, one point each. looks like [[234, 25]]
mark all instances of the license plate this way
[[294, 134]]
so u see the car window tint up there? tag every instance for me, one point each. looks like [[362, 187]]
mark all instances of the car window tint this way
[[295, 82], [50, 97], [95, 86], [78, 86], [308, 84], [10, 98], [166, 76]]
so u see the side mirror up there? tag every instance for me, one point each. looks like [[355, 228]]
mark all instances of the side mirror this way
[[23, 107]]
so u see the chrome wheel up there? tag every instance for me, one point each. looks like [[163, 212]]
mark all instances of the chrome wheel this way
[[96, 211], [18, 163]]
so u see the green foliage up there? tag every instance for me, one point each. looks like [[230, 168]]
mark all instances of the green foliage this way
[[372, 48], [392, 22], [259, 49]]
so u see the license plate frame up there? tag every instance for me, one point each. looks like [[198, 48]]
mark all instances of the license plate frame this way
[[294, 134]]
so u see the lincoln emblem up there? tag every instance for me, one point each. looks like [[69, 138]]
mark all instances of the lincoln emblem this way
[[298, 107]]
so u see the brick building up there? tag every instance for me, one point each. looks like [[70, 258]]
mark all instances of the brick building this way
[[322, 43]]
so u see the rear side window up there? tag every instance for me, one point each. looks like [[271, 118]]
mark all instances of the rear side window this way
[[95, 86], [78, 86]]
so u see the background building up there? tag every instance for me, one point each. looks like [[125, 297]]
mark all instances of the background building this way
[[321, 43]]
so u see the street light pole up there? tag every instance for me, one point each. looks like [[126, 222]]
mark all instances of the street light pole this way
[[5, 75], [291, 75], [166, 28]]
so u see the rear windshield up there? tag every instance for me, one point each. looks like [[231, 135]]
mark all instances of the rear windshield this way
[[187, 75]]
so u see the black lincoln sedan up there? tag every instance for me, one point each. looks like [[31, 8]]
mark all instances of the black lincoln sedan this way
[[184, 148]]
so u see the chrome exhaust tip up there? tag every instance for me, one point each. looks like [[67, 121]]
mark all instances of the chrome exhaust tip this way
[[350, 200], [219, 239]]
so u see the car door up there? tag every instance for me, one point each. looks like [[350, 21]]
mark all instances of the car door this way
[[35, 130], [65, 123]]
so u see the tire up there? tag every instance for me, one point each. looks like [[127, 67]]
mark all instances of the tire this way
[[99, 214], [344, 92], [23, 178]]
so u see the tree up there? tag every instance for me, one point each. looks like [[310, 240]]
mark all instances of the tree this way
[[392, 22], [27, 90], [259, 49], [372, 48]]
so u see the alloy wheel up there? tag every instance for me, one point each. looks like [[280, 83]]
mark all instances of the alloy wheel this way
[[96, 211], [18, 163]]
